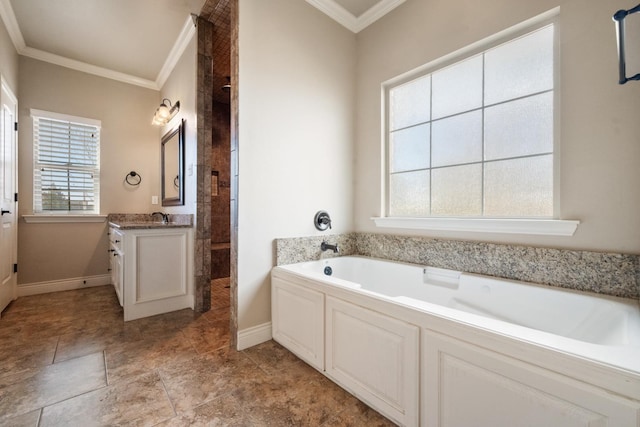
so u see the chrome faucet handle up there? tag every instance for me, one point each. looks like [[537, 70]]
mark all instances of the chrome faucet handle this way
[[322, 220]]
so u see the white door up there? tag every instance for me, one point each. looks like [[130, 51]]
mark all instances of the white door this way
[[8, 190]]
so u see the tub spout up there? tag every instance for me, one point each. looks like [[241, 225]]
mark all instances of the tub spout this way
[[325, 247]]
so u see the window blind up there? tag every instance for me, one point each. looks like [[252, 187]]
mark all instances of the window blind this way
[[66, 163]]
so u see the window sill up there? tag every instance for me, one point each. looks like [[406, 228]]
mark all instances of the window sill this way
[[47, 218], [546, 227]]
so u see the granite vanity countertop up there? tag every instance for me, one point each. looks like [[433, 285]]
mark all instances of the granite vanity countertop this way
[[132, 225], [145, 221]]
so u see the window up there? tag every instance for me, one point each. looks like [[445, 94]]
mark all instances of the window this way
[[66, 152], [476, 138]]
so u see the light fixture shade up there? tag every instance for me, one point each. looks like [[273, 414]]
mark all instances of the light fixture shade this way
[[164, 114], [163, 111]]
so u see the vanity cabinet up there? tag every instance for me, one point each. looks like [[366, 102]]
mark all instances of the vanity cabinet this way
[[152, 269]]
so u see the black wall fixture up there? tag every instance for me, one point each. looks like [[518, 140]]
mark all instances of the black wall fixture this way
[[628, 32], [133, 178]]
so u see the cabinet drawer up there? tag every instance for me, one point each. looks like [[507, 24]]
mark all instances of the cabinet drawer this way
[[115, 239]]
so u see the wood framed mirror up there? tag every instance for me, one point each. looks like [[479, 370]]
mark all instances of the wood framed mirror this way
[[173, 166]]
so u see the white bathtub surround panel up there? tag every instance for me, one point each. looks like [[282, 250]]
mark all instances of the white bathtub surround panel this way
[[458, 374], [375, 357], [300, 249], [605, 273]]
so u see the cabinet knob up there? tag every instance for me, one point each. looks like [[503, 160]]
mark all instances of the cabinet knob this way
[[111, 250], [117, 241]]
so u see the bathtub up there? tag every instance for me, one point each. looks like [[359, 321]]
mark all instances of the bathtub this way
[[540, 346]]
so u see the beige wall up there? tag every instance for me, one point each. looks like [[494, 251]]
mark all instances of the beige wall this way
[[600, 130], [8, 59], [129, 142], [181, 86], [296, 101]]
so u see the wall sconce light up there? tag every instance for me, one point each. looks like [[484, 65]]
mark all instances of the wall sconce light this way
[[165, 112]]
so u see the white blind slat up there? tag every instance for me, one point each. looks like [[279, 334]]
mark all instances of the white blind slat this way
[[66, 164]]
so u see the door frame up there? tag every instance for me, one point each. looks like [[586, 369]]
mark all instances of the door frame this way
[[6, 88]]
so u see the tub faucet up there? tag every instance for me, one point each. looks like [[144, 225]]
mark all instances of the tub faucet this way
[[325, 247], [165, 217]]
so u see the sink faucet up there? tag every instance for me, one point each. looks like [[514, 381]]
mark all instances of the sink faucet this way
[[325, 247], [165, 217]]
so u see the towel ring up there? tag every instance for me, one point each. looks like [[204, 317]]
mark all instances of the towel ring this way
[[135, 177]]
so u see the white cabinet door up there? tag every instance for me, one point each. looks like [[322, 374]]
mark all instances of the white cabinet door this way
[[298, 320], [465, 385], [157, 271], [375, 357]]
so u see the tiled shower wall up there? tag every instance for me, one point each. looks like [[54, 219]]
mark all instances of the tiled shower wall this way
[[605, 273], [203, 203], [220, 190]]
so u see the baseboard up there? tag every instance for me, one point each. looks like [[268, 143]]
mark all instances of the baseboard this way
[[27, 289], [254, 336]]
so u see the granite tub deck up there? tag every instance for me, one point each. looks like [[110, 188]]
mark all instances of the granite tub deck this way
[[68, 357], [604, 273]]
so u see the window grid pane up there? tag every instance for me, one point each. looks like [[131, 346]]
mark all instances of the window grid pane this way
[[494, 159]]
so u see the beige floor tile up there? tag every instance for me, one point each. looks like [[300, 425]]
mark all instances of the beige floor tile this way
[[30, 419], [206, 377], [224, 411], [77, 344], [357, 414], [175, 369], [18, 358], [52, 384], [272, 357], [208, 336], [126, 361], [141, 402]]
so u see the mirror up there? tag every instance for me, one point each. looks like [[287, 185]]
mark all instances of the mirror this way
[[628, 33], [173, 167]]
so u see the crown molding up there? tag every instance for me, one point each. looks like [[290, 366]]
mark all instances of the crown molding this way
[[87, 68], [346, 19], [187, 32], [376, 12], [9, 18], [185, 36]]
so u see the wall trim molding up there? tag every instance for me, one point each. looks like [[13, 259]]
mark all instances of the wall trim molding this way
[[254, 335], [348, 20], [36, 288]]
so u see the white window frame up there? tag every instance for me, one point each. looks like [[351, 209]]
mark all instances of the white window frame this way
[[41, 215], [517, 225]]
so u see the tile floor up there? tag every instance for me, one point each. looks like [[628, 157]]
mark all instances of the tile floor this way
[[68, 359]]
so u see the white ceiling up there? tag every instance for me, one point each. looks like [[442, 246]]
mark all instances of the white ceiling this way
[[134, 41], [137, 41]]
